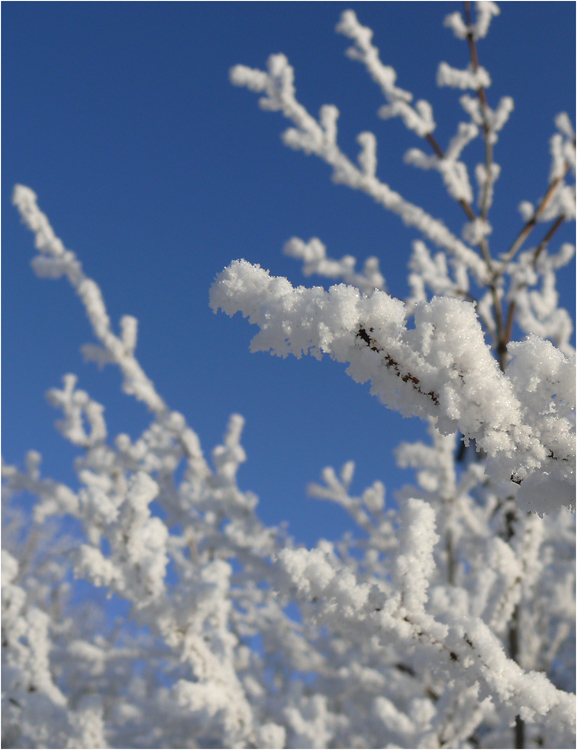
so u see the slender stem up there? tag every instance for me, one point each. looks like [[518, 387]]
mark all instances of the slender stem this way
[[501, 343], [435, 145], [519, 732], [514, 654], [514, 627], [451, 562], [484, 246], [545, 241], [542, 245], [485, 110], [530, 225], [473, 50], [471, 215], [509, 324]]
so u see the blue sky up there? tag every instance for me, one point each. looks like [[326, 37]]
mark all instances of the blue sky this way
[[158, 172]]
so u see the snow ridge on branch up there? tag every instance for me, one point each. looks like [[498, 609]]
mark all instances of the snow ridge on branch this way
[[442, 369]]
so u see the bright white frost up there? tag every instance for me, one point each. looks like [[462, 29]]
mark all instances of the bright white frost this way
[[320, 138], [462, 79], [453, 171], [441, 624], [485, 12], [418, 118], [315, 261], [415, 564], [371, 611], [441, 369]]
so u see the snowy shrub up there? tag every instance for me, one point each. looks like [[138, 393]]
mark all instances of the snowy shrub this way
[[444, 621]]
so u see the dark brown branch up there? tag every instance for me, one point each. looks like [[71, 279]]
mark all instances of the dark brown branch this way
[[406, 377], [501, 346], [530, 225], [509, 324], [473, 51], [546, 239], [451, 562], [471, 215], [484, 107], [508, 332], [435, 146], [469, 211], [510, 529]]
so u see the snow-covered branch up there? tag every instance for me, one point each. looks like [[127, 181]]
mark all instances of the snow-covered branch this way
[[441, 368], [444, 618], [319, 138]]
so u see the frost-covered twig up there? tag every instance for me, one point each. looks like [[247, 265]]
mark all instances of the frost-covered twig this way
[[463, 649], [55, 261], [314, 256], [563, 152], [319, 138], [418, 118]]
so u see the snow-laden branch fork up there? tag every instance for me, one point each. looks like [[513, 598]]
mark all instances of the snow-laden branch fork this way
[[462, 648], [442, 368]]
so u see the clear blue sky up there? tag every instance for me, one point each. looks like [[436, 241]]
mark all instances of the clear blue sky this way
[[158, 173]]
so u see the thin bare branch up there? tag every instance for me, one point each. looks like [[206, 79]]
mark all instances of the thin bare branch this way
[[484, 106], [546, 239], [530, 225]]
